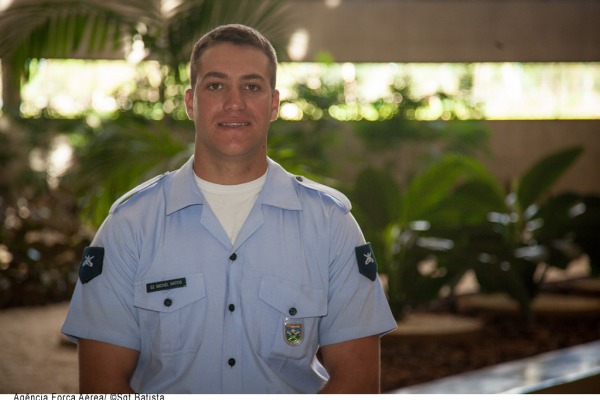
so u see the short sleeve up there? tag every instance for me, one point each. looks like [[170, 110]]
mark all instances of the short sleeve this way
[[102, 307], [357, 306]]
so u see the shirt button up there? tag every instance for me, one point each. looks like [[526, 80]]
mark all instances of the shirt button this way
[[168, 302], [231, 362], [299, 178], [231, 307], [233, 257], [292, 311]]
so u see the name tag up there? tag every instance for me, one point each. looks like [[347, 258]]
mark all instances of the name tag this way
[[165, 285]]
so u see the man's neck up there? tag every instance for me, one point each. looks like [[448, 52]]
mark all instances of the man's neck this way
[[232, 172]]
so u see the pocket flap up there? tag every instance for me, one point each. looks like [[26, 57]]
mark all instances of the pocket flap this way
[[292, 299], [168, 295]]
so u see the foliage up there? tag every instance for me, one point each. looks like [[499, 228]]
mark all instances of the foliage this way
[[41, 243], [533, 231], [122, 153], [416, 241], [392, 120], [301, 147], [62, 28], [41, 237], [455, 216]]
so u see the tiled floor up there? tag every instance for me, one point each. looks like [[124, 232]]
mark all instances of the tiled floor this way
[[523, 376]]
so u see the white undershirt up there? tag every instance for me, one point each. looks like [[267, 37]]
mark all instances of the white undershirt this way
[[231, 203]]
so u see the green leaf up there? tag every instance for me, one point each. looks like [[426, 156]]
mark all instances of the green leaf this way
[[437, 183], [493, 278], [469, 205], [541, 176], [377, 195]]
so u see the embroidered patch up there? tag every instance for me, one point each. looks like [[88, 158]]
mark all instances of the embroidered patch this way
[[367, 265], [166, 285], [91, 263]]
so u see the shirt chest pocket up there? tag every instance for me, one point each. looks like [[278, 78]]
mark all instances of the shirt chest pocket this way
[[172, 313], [292, 313]]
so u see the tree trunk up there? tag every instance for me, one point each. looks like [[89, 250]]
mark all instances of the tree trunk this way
[[13, 147], [11, 89]]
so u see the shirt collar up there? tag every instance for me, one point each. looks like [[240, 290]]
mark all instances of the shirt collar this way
[[279, 190]]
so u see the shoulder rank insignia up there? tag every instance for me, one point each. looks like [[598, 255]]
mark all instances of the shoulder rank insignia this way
[[367, 265], [91, 263]]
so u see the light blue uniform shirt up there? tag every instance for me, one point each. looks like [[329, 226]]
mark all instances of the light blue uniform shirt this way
[[209, 317]]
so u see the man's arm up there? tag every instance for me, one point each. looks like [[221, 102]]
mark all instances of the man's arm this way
[[353, 366], [105, 368]]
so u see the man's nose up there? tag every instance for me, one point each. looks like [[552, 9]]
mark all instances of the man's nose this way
[[234, 100]]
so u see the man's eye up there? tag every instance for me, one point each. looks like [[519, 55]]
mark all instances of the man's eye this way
[[253, 88], [214, 86]]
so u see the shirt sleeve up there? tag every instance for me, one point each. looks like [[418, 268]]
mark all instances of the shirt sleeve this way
[[102, 309], [357, 305]]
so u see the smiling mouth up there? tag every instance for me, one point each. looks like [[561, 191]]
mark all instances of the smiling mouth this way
[[233, 124]]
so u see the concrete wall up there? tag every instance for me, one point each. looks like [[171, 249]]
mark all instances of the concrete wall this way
[[516, 145], [450, 30], [473, 31]]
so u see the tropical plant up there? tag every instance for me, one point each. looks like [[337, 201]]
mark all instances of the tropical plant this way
[[533, 231], [455, 216], [413, 230]]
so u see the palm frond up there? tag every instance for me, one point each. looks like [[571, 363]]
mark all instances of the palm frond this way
[[125, 153], [60, 28], [189, 20], [64, 28]]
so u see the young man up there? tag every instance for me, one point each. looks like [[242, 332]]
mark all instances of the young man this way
[[229, 274]]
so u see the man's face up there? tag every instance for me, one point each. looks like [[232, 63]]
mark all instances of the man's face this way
[[232, 103]]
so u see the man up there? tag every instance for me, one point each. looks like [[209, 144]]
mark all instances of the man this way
[[228, 275]]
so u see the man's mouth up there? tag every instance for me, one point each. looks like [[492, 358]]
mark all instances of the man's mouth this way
[[233, 124]]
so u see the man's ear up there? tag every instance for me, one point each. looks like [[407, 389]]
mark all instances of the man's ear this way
[[189, 103], [275, 105]]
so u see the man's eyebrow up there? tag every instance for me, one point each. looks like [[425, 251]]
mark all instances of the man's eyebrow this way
[[221, 75], [253, 77], [214, 74]]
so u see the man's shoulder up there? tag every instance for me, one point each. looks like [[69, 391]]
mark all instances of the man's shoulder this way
[[325, 192], [144, 190]]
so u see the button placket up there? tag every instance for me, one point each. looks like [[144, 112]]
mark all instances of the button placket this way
[[232, 340]]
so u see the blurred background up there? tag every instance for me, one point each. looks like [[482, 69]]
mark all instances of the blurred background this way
[[466, 134]]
